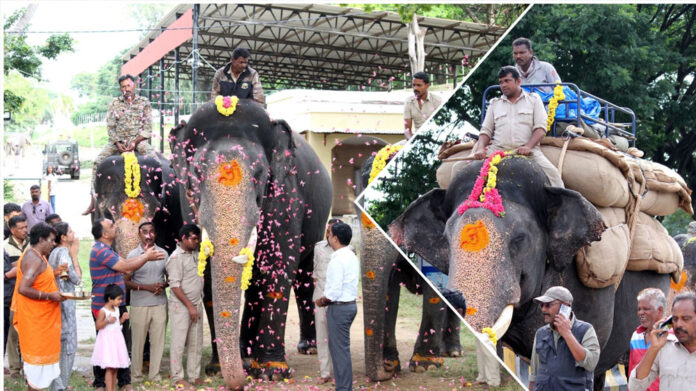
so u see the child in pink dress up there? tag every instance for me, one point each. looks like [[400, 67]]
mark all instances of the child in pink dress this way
[[110, 350]]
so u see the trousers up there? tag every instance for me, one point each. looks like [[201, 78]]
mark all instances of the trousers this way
[[150, 320], [339, 319], [322, 342], [185, 334]]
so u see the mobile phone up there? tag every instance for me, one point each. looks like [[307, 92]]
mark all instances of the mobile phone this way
[[664, 326], [565, 311]]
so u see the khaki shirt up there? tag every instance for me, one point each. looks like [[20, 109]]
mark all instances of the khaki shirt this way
[[322, 257], [126, 121], [675, 366], [182, 269], [511, 125], [589, 342], [420, 114]]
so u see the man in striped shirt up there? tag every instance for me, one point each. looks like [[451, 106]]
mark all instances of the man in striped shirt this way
[[651, 308], [105, 267]]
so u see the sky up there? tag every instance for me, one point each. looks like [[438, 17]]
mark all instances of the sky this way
[[93, 49]]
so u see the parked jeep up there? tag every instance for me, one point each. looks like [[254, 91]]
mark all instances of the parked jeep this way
[[63, 156]]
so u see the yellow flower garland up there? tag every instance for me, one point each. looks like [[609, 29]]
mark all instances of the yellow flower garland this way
[[558, 95], [207, 250], [226, 105], [491, 182], [381, 160], [491, 335], [246, 273], [131, 177]]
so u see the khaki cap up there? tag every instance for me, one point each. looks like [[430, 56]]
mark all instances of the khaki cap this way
[[556, 293]]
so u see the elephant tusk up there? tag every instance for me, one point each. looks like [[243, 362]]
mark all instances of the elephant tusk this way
[[503, 323], [242, 259], [205, 238]]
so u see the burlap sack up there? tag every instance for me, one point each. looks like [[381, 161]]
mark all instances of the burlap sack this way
[[452, 163], [593, 176], [653, 249], [603, 263], [666, 190]]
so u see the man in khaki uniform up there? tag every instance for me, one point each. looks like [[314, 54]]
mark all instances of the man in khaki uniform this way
[[128, 124], [516, 121], [148, 301], [420, 106], [186, 307]]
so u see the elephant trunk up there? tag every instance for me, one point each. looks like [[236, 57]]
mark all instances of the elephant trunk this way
[[377, 256], [229, 214]]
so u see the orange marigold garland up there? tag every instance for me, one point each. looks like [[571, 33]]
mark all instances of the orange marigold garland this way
[[474, 237], [230, 173], [366, 222], [133, 209]]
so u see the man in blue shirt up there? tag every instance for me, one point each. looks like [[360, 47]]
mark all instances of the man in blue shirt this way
[[339, 294]]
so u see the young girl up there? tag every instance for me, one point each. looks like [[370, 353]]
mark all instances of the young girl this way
[[110, 350]]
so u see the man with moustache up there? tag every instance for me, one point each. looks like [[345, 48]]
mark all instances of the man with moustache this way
[[671, 357], [421, 105], [238, 79], [532, 71], [516, 121], [565, 351], [36, 210], [148, 305], [129, 126], [10, 210], [651, 308]]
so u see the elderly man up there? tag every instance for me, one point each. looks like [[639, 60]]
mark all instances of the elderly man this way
[[105, 267], [36, 210], [566, 350], [532, 71], [128, 124], [421, 105], [36, 302], [10, 210], [340, 294], [516, 121], [186, 307], [322, 257], [672, 359], [148, 301], [651, 308], [238, 79]]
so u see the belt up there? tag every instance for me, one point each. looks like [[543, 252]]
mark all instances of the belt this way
[[341, 302]]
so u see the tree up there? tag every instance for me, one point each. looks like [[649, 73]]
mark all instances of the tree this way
[[641, 57]]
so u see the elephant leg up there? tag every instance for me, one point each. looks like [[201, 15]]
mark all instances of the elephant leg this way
[[390, 352], [426, 352], [451, 346], [304, 289], [249, 330], [213, 367]]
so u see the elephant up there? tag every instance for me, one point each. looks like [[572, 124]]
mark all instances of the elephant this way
[[687, 243], [158, 201], [501, 264], [254, 177], [384, 270]]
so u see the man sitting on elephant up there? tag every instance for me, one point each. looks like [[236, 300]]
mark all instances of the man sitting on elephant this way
[[238, 79], [129, 126], [566, 350], [516, 121]]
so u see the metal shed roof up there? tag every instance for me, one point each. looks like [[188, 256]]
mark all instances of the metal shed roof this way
[[322, 46]]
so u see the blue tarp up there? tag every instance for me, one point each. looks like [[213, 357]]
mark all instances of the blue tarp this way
[[588, 106]]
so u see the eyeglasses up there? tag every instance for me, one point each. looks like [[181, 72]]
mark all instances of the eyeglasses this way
[[549, 304]]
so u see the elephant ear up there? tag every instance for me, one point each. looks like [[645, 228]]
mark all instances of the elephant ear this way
[[421, 229], [180, 154], [284, 141], [573, 223]]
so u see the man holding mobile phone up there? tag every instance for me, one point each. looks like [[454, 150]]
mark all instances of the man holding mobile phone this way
[[566, 349], [671, 357]]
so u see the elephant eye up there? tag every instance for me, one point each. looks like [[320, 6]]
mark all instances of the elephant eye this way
[[517, 243]]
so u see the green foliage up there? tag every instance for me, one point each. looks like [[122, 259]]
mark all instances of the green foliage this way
[[641, 57], [55, 45], [677, 222], [414, 171], [8, 191], [12, 101], [495, 14], [36, 107]]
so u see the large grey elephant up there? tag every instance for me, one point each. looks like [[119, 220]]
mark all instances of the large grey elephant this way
[[252, 175], [384, 270], [501, 263]]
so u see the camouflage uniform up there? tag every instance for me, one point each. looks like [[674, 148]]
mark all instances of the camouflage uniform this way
[[124, 122]]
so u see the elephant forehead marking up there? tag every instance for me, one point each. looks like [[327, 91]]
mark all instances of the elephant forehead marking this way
[[230, 173], [474, 237]]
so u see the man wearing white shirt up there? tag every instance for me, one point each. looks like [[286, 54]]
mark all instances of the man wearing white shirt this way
[[339, 294]]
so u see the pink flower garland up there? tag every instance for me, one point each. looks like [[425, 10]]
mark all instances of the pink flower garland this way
[[492, 199]]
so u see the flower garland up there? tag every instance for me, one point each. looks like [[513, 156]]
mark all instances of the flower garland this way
[[246, 273], [491, 335], [226, 105], [381, 160], [131, 177], [488, 196], [558, 95], [207, 250], [133, 209]]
